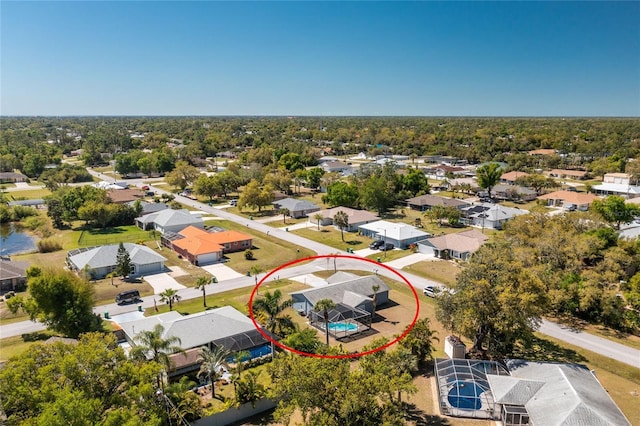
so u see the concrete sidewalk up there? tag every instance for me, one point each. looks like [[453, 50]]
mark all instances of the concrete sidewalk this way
[[410, 260]]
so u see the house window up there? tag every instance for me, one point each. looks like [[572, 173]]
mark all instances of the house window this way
[[245, 243]]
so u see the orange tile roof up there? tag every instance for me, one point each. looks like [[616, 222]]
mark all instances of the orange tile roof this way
[[199, 241], [576, 198], [513, 175], [196, 246], [542, 152]]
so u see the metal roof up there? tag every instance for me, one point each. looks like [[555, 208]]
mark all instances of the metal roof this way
[[362, 286], [104, 256]]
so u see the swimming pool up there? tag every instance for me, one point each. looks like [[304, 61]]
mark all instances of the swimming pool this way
[[465, 395], [343, 326]]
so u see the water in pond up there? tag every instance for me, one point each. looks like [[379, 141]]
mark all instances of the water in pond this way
[[14, 239]]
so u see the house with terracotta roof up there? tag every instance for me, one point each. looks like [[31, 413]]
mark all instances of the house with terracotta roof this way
[[122, 196], [581, 200], [512, 176], [542, 152], [201, 247], [356, 217], [460, 245], [13, 275], [567, 174]]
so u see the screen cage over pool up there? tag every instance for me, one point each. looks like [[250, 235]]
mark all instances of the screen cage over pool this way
[[463, 389], [344, 321]]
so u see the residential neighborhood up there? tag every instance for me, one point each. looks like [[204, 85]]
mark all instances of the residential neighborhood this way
[[173, 262]]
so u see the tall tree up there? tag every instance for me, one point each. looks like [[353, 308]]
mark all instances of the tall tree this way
[[318, 218], [324, 306], [498, 301], [201, 284], [341, 194], [182, 175], [123, 261], [314, 177], [170, 296], [152, 345], [269, 308], [61, 300], [420, 340], [614, 210], [213, 364], [341, 220], [284, 212], [488, 176]]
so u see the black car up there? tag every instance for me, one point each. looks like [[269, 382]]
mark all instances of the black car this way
[[386, 246], [376, 245]]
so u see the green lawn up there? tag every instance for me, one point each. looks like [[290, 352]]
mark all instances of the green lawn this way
[[331, 236], [125, 234], [442, 271], [28, 194]]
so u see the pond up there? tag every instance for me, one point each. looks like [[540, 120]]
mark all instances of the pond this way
[[14, 239]]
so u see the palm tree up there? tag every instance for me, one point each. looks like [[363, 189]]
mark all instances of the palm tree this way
[[170, 296], [284, 212], [151, 342], [420, 340], [201, 284], [341, 220], [318, 218], [324, 306], [488, 176], [375, 289], [213, 364], [270, 306]]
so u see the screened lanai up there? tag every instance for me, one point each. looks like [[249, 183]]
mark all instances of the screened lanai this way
[[344, 321], [463, 388]]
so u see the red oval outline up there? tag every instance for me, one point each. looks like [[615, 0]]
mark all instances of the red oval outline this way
[[328, 256]]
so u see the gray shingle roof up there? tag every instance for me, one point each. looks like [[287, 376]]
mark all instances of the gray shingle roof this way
[[104, 256], [170, 217], [294, 205], [198, 329], [571, 395], [362, 286], [10, 269]]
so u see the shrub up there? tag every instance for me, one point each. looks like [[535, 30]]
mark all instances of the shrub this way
[[20, 212], [47, 245], [248, 254]]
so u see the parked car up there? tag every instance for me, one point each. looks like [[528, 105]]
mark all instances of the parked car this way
[[145, 187], [387, 246], [376, 245], [434, 291], [233, 203]]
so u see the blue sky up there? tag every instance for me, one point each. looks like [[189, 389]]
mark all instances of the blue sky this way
[[320, 58]]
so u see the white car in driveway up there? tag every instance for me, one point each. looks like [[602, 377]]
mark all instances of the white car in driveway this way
[[435, 290]]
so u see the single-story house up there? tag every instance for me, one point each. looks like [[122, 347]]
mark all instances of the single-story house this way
[[492, 216], [353, 296], [37, 203], [12, 177], [513, 192], [472, 183], [201, 247], [521, 392], [542, 152], [400, 235], [441, 171], [356, 217], [582, 201], [122, 196], [224, 326], [100, 261], [617, 178], [148, 207], [460, 245], [512, 176], [428, 201], [297, 208], [620, 189], [169, 220], [568, 174], [103, 184], [335, 166], [13, 275]]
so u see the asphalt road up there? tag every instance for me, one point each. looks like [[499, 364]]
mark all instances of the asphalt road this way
[[584, 340]]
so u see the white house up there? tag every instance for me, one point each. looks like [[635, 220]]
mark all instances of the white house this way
[[169, 220], [100, 261], [400, 235]]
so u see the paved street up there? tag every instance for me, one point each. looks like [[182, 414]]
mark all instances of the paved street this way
[[575, 337]]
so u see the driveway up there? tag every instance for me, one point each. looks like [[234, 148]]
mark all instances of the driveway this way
[[311, 280], [221, 272], [161, 282], [410, 260]]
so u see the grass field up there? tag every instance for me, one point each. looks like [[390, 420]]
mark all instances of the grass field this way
[[443, 271], [120, 234], [331, 236], [27, 194]]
